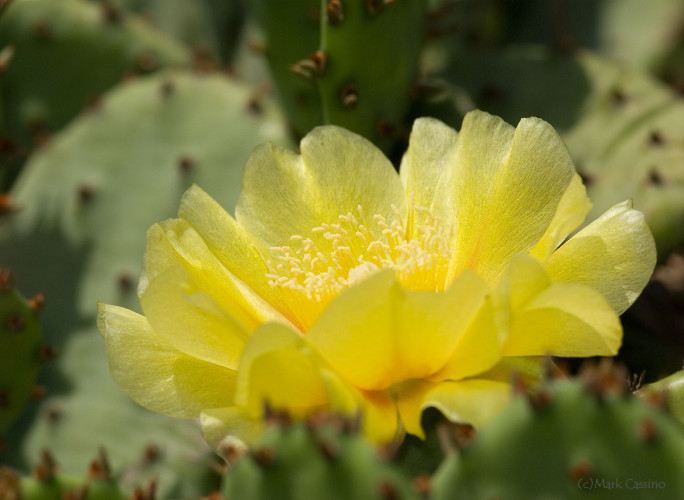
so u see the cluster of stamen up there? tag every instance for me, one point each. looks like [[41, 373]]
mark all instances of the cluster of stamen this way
[[340, 254]]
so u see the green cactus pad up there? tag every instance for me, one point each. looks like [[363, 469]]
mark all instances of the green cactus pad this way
[[671, 390], [66, 54], [352, 63], [321, 458], [20, 351], [571, 439], [87, 200]]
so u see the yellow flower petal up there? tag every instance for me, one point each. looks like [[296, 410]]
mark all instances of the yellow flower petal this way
[[614, 255], [155, 374], [472, 401], [478, 348], [423, 164], [277, 368], [560, 319], [572, 210], [284, 194], [506, 185], [230, 425], [229, 242], [376, 333], [189, 303]]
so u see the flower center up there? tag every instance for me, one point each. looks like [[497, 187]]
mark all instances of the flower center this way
[[335, 256]]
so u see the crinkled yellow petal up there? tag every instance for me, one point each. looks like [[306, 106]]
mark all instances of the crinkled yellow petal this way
[[154, 373], [472, 401], [572, 210], [423, 163], [277, 367], [615, 255], [228, 241], [478, 348], [560, 319], [230, 425], [506, 184], [174, 243], [376, 333], [285, 194], [193, 303]]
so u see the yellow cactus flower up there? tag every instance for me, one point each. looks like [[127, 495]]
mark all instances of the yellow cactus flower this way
[[343, 285]]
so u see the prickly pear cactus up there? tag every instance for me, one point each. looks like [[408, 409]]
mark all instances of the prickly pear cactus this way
[[21, 350], [669, 390], [323, 457], [571, 439], [352, 64], [86, 204], [64, 55], [48, 483]]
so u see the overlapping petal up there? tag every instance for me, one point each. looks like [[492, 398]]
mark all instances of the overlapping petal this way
[[154, 373], [559, 319], [187, 290], [615, 255], [472, 401], [506, 185], [285, 194], [377, 334]]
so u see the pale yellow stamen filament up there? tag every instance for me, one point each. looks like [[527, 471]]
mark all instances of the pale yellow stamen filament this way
[[349, 250]]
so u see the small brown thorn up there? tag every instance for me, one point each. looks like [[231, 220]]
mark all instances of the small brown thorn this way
[[110, 13], [388, 491], [167, 89], [16, 324], [152, 454], [43, 31], [146, 63], [658, 399], [311, 67], [656, 138], [99, 468], [46, 468], [384, 128], [349, 95], [264, 457], [148, 493], [47, 352], [37, 302], [655, 178], [186, 165], [254, 106], [647, 430], [231, 452], [540, 399], [256, 47], [6, 204], [54, 415], [38, 392], [328, 449], [618, 98], [334, 12], [4, 399], [6, 55], [635, 381], [582, 469], [463, 435], [421, 485], [6, 279], [85, 194], [125, 282]]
